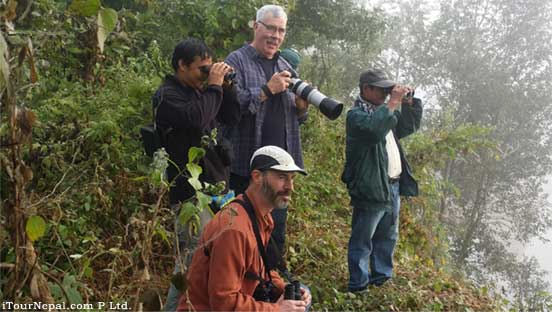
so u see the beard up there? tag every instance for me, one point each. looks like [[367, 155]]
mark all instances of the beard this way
[[273, 197]]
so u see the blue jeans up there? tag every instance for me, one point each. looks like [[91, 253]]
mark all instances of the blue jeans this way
[[374, 235]]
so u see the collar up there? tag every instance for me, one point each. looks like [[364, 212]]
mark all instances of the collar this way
[[364, 104], [174, 80]]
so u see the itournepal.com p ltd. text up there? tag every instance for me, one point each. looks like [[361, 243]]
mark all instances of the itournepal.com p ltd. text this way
[[33, 306]]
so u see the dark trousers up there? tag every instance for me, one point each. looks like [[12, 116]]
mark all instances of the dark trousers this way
[[239, 184]]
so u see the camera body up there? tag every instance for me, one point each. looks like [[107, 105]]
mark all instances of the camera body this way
[[266, 291]]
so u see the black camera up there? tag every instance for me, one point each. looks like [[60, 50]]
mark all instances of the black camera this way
[[227, 77], [266, 291], [329, 107]]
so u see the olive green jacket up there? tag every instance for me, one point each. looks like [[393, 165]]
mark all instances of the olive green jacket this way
[[365, 171]]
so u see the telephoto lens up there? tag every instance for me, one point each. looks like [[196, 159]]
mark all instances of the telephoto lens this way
[[329, 107], [289, 292]]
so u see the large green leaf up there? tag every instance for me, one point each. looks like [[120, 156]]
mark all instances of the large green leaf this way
[[203, 200], [195, 183], [85, 7], [35, 228], [187, 211], [195, 154], [4, 65], [107, 19], [194, 170]]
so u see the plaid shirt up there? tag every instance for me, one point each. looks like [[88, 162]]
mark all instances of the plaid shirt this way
[[246, 136]]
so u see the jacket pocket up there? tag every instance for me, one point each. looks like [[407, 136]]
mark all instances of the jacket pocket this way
[[369, 185]]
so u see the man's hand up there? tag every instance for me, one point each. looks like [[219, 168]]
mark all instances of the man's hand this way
[[279, 82], [397, 95], [291, 305], [216, 75], [408, 98], [302, 106], [306, 296]]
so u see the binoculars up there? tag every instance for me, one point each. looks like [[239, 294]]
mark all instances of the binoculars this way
[[292, 291], [227, 77]]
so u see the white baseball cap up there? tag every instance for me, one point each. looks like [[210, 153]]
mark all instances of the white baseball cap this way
[[275, 158]]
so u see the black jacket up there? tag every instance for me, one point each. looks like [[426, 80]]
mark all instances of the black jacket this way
[[184, 115]]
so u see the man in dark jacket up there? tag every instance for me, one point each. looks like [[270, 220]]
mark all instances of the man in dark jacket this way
[[376, 173], [188, 106]]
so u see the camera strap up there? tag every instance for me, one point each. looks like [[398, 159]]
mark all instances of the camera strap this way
[[246, 204]]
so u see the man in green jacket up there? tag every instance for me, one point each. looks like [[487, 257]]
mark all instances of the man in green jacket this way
[[376, 173]]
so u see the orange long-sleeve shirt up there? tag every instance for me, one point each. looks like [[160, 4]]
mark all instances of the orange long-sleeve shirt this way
[[216, 281]]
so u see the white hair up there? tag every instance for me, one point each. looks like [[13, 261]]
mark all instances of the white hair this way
[[275, 10]]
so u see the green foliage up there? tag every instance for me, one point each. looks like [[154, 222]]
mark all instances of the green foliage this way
[[338, 39], [107, 18], [187, 211], [102, 200], [159, 166], [195, 154], [4, 65], [223, 25], [69, 292], [486, 70], [319, 226], [35, 228], [85, 7]]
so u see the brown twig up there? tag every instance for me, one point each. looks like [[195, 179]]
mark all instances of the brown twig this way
[[56, 281], [59, 182]]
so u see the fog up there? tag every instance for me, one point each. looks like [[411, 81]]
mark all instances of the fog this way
[[543, 250], [487, 63]]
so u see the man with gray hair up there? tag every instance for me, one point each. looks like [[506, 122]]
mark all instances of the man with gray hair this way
[[270, 113]]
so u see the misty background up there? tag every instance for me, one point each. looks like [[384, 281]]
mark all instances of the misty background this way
[[484, 19], [542, 249], [484, 69], [487, 63]]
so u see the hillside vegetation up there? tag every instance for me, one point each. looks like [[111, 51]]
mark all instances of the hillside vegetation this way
[[84, 216]]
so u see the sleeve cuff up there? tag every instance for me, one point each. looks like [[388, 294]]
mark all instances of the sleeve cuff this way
[[267, 91]]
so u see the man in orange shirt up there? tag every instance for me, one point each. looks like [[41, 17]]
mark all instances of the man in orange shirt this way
[[228, 270]]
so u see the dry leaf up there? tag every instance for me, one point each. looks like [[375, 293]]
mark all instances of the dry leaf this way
[[10, 13]]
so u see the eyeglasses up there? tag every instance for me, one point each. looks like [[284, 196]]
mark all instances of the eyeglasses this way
[[273, 29]]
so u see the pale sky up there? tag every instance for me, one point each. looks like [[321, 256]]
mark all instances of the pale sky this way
[[540, 250]]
